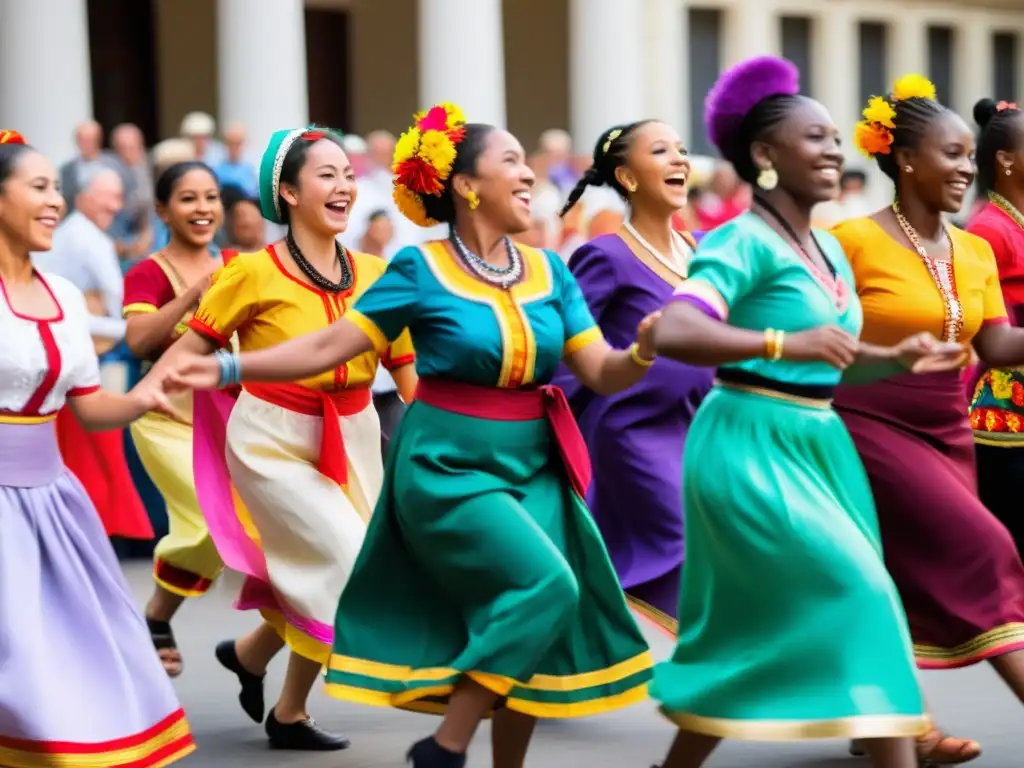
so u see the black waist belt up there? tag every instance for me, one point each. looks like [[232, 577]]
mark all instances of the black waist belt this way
[[743, 378]]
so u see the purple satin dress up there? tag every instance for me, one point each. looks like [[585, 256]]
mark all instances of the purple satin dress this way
[[636, 437]]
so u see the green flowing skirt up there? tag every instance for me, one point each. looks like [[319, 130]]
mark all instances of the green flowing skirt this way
[[789, 624], [481, 561]]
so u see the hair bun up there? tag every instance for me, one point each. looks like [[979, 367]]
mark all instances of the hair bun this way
[[984, 111], [11, 137]]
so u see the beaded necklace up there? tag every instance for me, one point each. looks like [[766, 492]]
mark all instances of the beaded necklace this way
[[677, 264], [1007, 207], [502, 277], [313, 274], [942, 273]]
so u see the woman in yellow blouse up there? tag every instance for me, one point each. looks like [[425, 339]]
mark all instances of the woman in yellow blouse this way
[[289, 506], [956, 567]]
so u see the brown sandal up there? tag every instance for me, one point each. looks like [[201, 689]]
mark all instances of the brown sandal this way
[[166, 647], [936, 748]]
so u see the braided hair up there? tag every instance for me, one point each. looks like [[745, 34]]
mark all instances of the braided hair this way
[[999, 125], [913, 117], [756, 126], [609, 155]]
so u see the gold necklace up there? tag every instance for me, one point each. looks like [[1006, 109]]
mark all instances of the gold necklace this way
[[942, 272], [1007, 207]]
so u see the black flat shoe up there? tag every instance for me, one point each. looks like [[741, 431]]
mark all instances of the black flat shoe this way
[[303, 736], [429, 754], [251, 695]]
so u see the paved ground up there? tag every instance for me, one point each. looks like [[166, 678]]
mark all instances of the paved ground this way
[[972, 702]]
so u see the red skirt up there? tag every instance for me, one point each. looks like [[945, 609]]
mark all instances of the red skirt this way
[[956, 566], [97, 460]]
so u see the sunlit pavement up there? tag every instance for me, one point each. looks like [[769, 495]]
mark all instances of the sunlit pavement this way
[[969, 702]]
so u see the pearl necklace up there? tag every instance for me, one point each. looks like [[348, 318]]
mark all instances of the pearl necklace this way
[[942, 272], [680, 251], [502, 277], [1007, 207]]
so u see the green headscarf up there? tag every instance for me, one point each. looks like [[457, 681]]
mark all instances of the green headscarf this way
[[273, 160]]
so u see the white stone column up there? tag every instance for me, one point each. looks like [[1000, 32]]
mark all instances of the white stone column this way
[[666, 78], [261, 63], [606, 67], [45, 72], [835, 64], [462, 57], [973, 77], [908, 44], [751, 29]]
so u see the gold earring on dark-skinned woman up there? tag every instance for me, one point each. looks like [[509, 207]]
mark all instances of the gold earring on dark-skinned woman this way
[[768, 179], [473, 199]]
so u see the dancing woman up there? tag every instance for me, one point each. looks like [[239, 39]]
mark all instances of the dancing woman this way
[[782, 546], [160, 294], [483, 582], [963, 592], [997, 407], [636, 437], [303, 457], [79, 682]]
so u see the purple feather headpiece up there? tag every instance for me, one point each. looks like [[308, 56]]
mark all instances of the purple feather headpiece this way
[[740, 89]]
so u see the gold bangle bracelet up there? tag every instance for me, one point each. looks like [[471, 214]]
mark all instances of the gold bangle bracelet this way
[[769, 344], [780, 340], [634, 355]]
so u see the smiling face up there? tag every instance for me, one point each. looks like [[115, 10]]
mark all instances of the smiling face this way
[[804, 150], [942, 163], [194, 211], [30, 203], [324, 191], [502, 181], [658, 165]]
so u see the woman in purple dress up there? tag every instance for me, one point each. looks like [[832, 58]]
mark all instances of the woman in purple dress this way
[[636, 437]]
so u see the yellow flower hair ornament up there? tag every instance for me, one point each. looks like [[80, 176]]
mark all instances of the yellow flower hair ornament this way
[[913, 87], [873, 135], [424, 157]]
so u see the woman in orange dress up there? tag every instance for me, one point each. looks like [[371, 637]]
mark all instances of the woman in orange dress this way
[[957, 569]]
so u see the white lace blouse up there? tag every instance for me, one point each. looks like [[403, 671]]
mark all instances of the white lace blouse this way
[[43, 361]]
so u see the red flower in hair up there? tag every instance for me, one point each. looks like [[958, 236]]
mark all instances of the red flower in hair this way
[[11, 137], [419, 176], [1002, 105], [313, 135]]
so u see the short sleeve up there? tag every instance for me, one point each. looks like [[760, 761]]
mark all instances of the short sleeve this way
[[391, 304], [725, 268], [993, 305], [229, 302], [596, 276], [996, 238], [581, 329], [146, 288], [399, 352], [85, 376]]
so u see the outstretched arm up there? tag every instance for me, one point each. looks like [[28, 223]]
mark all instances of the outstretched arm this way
[[689, 334]]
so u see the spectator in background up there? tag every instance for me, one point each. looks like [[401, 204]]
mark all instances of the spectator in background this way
[[725, 198], [852, 202], [237, 170], [545, 204], [132, 229], [379, 237], [244, 226], [200, 128], [380, 149], [556, 148], [91, 158]]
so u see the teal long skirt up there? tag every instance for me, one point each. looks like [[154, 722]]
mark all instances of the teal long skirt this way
[[789, 624], [481, 561]]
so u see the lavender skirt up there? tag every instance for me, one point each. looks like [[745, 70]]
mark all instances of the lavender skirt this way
[[80, 682]]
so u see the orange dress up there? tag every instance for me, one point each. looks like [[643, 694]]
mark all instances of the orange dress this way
[[956, 566]]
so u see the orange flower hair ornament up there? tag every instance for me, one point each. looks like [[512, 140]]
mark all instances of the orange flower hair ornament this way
[[11, 137], [424, 156], [873, 135], [1002, 106]]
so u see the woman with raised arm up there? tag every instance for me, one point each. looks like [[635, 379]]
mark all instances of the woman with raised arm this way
[[288, 474], [957, 569], [636, 437], [790, 626], [79, 681], [160, 294], [483, 584]]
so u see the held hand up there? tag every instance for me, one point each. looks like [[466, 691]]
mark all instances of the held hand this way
[[149, 396], [193, 372], [828, 343], [923, 353], [645, 336]]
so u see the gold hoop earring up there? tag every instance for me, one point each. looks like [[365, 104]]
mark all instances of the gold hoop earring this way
[[473, 199], [768, 179]]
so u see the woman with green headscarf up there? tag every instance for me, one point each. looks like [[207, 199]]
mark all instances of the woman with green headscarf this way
[[288, 474]]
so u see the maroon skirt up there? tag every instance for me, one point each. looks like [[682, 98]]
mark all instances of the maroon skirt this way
[[956, 566]]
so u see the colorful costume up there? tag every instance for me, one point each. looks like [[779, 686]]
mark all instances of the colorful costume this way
[[481, 558], [80, 684], [304, 460], [997, 406], [186, 561], [790, 626], [636, 436], [957, 569]]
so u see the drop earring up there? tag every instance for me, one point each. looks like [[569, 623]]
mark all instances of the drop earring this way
[[473, 199], [768, 179], [908, 168], [1008, 170]]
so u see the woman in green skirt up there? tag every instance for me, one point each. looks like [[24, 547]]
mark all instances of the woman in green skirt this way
[[483, 584], [789, 625]]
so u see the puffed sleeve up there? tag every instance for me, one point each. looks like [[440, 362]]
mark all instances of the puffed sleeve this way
[[581, 329], [146, 288], [231, 300], [724, 269], [993, 305], [399, 352], [595, 273], [391, 304]]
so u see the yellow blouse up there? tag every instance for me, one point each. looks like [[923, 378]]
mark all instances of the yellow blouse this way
[[256, 297], [899, 295]]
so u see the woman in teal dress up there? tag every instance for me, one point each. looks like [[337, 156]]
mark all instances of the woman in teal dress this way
[[789, 625], [483, 584]]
